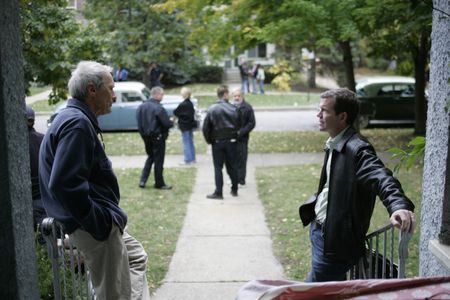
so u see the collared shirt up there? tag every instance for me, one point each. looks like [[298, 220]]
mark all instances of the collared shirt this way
[[322, 200]]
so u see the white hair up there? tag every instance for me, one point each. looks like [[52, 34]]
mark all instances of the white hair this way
[[156, 91], [86, 72]]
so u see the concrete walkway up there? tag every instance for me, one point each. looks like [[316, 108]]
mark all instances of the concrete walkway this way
[[223, 243]]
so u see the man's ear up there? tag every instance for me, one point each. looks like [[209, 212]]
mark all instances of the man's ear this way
[[343, 116], [91, 88]]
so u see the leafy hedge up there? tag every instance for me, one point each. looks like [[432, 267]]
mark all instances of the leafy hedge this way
[[208, 74]]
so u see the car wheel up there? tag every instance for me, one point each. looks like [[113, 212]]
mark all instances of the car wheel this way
[[363, 121]]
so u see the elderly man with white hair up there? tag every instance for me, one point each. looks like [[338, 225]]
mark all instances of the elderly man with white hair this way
[[80, 189]]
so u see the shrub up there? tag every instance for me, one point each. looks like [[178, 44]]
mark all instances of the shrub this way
[[208, 74], [173, 75], [269, 75], [44, 266], [283, 79]]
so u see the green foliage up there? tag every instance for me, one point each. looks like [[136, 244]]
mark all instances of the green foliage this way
[[52, 43], [208, 74], [138, 34], [283, 78], [47, 28], [45, 275], [413, 155]]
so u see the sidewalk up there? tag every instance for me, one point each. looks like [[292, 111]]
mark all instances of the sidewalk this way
[[223, 243]]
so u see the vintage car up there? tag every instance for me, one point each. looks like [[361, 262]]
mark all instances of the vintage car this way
[[386, 100], [129, 95]]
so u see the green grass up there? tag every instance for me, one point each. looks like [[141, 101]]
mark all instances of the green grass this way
[[155, 217], [38, 89], [130, 143], [201, 88], [265, 100], [283, 189], [43, 106], [195, 88]]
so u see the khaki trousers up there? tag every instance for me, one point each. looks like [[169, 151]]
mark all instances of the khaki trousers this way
[[117, 265]]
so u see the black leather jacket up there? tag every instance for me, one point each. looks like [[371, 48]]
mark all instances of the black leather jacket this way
[[357, 177], [152, 119], [222, 122], [247, 120]]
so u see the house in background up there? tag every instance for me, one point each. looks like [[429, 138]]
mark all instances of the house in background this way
[[262, 54], [77, 6]]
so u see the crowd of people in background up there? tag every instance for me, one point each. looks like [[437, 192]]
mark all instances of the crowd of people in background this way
[[254, 75]]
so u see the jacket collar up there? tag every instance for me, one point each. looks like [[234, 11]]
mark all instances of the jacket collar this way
[[85, 110], [347, 135], [154, 100]]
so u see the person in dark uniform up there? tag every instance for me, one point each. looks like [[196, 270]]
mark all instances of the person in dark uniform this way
[[155, 75], [220, 129], [247, 124], [153, 125], [185, 112], [35, 140]]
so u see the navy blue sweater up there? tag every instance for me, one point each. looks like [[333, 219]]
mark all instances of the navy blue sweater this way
[[78, 185]]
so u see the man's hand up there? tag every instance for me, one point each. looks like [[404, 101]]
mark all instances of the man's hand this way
[[404, 220]]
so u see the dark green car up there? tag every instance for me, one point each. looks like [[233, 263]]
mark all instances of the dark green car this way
[[386, 100]]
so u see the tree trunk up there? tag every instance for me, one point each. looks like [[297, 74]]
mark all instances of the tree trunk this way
[[420, 61], [444, 235], [312, 72], [145, 74], [348, 65]]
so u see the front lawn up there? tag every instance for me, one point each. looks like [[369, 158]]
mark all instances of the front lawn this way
[[130, 143]]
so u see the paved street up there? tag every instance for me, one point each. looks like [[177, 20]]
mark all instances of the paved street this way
[[266, 120]]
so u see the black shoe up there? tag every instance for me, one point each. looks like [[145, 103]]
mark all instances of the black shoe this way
[[214, 196], [164, 187], [234, 193], [142, 184]]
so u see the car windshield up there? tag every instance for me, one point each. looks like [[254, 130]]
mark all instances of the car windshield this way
[[146, 92]]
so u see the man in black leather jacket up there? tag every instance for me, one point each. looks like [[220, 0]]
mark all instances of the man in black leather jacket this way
[[247, 124], [352, 177], [153, 125], [220, 129]]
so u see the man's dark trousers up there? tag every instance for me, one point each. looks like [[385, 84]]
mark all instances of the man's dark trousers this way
[[225, 152], [242, 146], [155, 148]]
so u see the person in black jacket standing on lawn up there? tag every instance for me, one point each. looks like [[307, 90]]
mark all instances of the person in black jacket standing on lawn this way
[[153, 125], [352, 176], [220, 129], [185, 113], [247, 124]]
